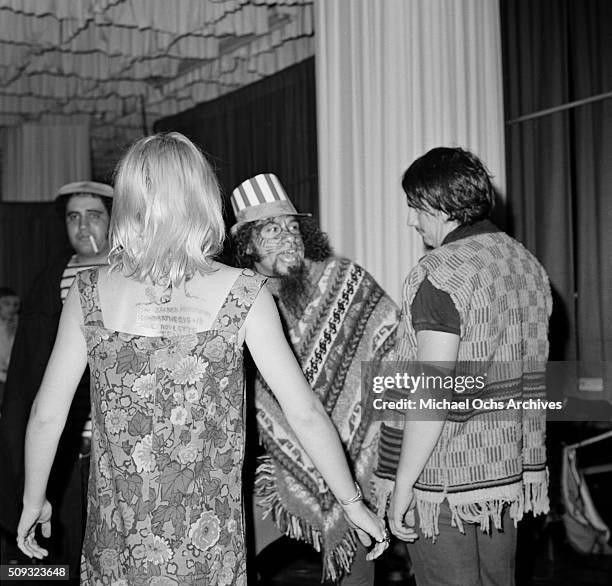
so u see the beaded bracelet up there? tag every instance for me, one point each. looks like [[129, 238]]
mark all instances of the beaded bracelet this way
[[356, 498]]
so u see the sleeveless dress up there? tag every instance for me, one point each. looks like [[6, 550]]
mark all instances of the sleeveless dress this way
[[164, 496]]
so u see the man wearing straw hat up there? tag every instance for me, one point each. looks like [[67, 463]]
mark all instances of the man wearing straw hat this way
[[85, 207], [336, 316]]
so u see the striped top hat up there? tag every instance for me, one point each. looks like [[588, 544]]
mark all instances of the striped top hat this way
[[260, 197]]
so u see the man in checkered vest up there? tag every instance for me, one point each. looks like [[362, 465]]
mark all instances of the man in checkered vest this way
[[478, 303], [336, 317]]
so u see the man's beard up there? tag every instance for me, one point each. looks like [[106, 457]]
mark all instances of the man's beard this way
[[294, 289]]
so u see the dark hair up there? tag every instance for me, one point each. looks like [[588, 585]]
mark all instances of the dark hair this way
[[452, 180], [7, 292], [316, 242], [62, 201]]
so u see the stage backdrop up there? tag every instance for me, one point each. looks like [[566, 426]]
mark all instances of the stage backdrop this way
[[268, 126], [559, 137], [395, 79]]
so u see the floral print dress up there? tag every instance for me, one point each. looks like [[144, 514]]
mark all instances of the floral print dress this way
[[164, 496]]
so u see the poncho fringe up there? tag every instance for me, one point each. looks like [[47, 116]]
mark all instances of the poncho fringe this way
[[339, 558]]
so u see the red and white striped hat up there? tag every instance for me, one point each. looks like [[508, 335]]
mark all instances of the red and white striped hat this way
[[260, 197]]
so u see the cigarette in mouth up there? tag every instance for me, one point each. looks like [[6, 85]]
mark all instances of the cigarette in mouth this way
[[93, 244]]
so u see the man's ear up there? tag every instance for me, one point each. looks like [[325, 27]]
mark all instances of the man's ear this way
[[249, 248]]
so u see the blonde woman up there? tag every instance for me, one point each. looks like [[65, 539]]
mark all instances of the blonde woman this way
[[163, 329]]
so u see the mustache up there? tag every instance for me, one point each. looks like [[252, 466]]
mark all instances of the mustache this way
[[280, 249]]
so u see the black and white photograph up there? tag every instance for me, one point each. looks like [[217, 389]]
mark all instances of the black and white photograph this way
[[306, 292]]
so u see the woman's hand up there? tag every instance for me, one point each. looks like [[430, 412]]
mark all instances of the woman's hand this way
[[367, 525], [30, 517]]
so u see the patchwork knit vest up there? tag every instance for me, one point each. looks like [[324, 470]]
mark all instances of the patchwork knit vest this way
[[486, 460]]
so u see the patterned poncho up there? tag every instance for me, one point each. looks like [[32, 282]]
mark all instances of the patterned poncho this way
[[348, 319], [484, 460]]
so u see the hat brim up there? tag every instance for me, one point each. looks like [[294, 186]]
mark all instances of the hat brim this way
[[85, 187]]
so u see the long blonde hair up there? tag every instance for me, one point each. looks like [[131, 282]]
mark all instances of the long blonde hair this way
[[166, 222]]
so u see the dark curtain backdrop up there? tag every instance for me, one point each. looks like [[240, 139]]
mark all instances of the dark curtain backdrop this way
[[31, 235], [560, 165], [268, 126]]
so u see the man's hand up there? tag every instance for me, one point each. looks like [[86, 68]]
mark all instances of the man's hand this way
[[401, 514]]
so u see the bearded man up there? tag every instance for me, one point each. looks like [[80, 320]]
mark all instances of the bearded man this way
[[336, 316]]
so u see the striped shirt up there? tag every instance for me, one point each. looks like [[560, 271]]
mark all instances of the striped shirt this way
[[69, 274]]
